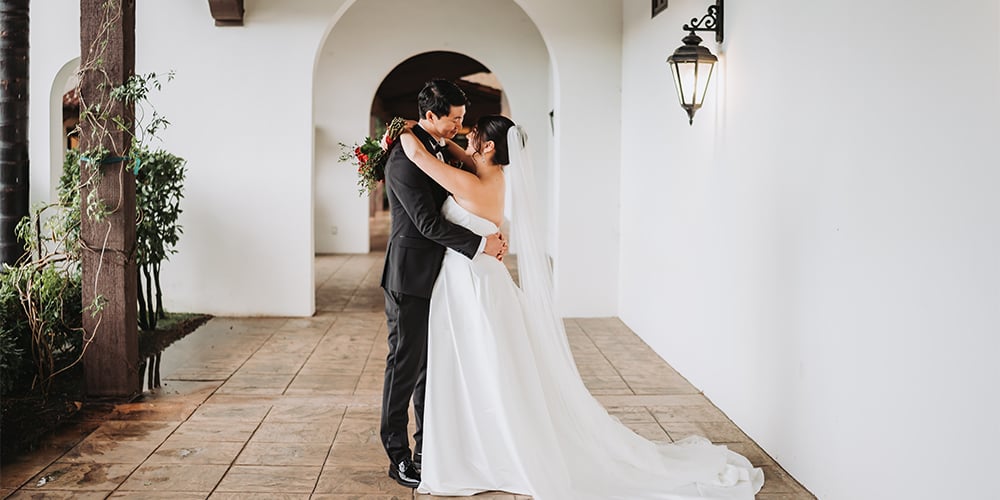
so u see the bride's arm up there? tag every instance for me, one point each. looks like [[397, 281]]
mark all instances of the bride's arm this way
[[455, 150], [454, 180]]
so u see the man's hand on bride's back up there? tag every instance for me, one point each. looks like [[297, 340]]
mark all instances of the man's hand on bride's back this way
[[496, 246]]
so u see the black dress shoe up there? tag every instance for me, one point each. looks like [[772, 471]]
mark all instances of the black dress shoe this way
[[405, 473]]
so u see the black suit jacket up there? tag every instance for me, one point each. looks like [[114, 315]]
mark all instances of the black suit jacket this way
[[419, 234]]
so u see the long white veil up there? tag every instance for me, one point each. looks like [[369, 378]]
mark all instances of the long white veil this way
[[534, 271], [585, 429]]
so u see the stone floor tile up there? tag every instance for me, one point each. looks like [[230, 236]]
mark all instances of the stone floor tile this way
[[804, 495], [360, 496], [256, 383], [717, 432], [154, 411], [216, 430], [282, 479], [160, 495], [348, 453], [245, 495], [303, 454], [702, 413], [488, 495], [123, 430], [752, 452], [631, 414], [58, 495], [370, 479], [323, 384], [105, 450], [80, 476], [199, 478], [650, 431], [329, 414], [776, 480], [187, 451], [27, 466], [295, 432], [231, 412]]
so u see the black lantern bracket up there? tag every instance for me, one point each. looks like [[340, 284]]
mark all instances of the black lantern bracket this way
[[712, 21]]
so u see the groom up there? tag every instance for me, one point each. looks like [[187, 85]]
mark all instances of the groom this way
[[417, 241]]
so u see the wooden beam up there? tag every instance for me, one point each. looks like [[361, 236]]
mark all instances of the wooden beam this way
[[227, 12], [107, 44]]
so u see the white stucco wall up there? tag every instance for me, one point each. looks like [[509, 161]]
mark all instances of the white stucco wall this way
[[818, 252], [506, 41], [242, 109]]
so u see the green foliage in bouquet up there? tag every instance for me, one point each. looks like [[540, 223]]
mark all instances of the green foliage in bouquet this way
[[370, 156]]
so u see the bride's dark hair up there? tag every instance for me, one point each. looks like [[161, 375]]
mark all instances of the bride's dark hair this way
[[493, 128]]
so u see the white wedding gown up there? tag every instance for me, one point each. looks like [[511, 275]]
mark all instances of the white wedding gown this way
[[506, 409]]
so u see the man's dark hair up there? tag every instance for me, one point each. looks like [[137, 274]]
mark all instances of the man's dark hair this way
[[438, 96]]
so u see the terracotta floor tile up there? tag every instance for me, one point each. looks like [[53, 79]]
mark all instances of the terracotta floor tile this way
[[283, 479]]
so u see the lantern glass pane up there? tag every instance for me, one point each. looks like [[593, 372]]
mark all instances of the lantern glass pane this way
[[685, 79], [677, 83], [704, 75]]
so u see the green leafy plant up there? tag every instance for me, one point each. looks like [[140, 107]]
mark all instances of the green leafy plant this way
[[159, 190]]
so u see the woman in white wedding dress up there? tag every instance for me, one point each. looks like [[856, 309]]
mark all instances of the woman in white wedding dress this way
[[505, 407]]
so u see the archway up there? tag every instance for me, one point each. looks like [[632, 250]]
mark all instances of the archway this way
[[62, 104], [346, 81], [396, 96]]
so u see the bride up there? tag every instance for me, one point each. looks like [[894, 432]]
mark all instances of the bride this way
[[505, 407]]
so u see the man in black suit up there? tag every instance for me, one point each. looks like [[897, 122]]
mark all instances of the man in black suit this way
[[417, 241]]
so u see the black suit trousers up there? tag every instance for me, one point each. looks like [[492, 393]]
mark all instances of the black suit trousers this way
[[405, 372]]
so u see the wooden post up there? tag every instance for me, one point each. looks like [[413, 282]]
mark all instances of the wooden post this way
[[107, 43], [13, 125]]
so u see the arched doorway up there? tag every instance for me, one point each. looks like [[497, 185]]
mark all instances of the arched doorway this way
[[353, 61], [397, 96]]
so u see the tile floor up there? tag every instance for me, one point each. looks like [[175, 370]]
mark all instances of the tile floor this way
[[282, 408]]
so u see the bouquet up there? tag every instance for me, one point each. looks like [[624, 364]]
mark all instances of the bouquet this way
[[370, 156]]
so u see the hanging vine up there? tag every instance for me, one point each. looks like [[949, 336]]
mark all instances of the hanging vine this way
[[46, 283]]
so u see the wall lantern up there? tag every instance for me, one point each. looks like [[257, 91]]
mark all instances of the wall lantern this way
[[692, 64]]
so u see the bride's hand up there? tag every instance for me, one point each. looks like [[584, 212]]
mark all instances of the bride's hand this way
[[385, 142]]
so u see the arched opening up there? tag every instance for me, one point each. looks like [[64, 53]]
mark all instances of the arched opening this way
[[397, 96], [64, 114], [345, 84]]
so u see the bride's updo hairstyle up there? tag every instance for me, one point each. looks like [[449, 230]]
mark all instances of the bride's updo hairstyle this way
[[493, 128]]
